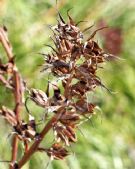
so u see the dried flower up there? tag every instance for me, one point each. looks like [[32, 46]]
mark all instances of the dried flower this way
[[9, 115], [65, 134], [39, 97], [57, 152], [26, 131], [74, 62]]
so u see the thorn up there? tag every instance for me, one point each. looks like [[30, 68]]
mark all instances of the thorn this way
[[88, 28], [60, 16], [94, 33], [51, 48], [81, 132], [79, 22], [70, 19]]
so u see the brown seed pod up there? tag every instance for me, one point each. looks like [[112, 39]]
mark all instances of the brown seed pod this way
[[39, 97], [57, 152], [26, 132], [69, 118], [65, 134], [9, 115]]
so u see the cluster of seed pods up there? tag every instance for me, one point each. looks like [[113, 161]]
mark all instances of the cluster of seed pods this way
[[74, 62]]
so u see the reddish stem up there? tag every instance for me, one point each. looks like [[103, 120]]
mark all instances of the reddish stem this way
[[6, 45], [41, 136], [17, 87], [18, 101]]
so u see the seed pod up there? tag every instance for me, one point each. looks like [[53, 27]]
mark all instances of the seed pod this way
[[65, 134], [57, 152], [69, 118], [83, 107], [39, 97], [26, 131], [9, 115]]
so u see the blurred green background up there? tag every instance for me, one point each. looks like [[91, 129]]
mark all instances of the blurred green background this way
[[109, 140]]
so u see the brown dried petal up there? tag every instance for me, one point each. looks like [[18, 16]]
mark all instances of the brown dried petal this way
[[69, 118], [83, 107], [72, 137], [57, 152], [58, 67], [79, 88], [25, 131], [65, 134], [9, 115], [57, 99], [30, 133]]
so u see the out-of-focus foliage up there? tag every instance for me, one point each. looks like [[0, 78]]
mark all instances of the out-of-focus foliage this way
[[108, 140]]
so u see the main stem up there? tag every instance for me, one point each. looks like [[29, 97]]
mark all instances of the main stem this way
[[18, 101], [41, 136]]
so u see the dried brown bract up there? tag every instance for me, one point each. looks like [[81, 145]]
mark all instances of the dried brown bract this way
[[64, 134], [39, 97], [26, 131], [9, 115], [57, 152]]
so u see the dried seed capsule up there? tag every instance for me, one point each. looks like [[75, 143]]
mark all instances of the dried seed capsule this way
[[57, 152], [9, 115], [65, 134], [39, 97]]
